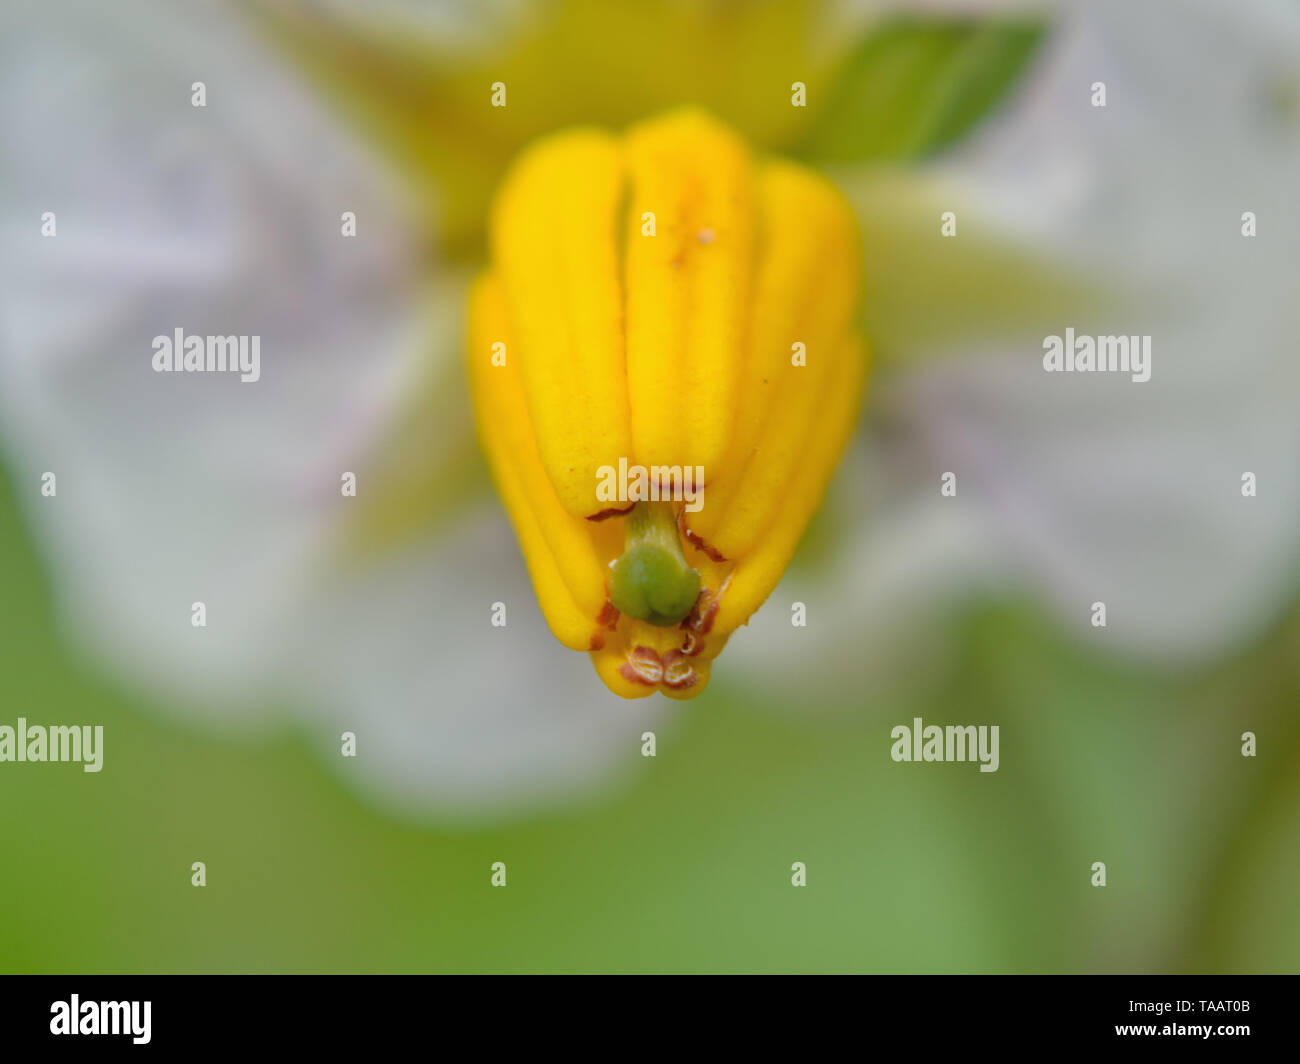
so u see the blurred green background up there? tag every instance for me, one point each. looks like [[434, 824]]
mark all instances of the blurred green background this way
[[687, 867]]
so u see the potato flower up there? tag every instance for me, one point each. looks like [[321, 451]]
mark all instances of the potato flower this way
[[370, 613]]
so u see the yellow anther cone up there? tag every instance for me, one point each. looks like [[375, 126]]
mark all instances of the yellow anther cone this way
[[663, 302]]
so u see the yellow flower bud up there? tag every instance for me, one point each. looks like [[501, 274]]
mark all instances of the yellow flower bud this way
[[666, 303]]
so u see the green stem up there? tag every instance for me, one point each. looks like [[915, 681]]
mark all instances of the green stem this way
[[652, 580]]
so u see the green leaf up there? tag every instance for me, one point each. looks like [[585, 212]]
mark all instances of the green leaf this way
[[917, 85]]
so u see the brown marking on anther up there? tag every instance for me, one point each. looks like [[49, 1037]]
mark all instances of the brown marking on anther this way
[[678, 672], [604, 515], [698, 543], [700, 619], [643, 666], [606, 618], [691, 643]]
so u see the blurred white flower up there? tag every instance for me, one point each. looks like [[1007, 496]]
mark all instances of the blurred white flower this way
[[1087, 489], [1127, 493], [226, 220]]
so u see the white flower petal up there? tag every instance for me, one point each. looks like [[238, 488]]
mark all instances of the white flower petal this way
[[1085, 488], [222, 220], [1130, 493]]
